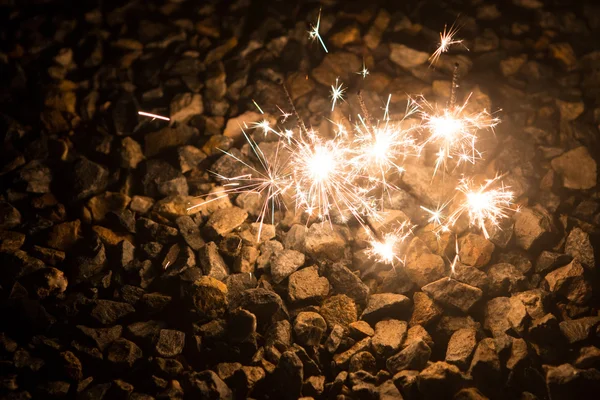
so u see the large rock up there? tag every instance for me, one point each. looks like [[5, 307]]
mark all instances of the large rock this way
[[577, 168], [385, 305], [425, 311], [389, 336], [325, 241], [422, 266], [566, 382], [406, 57], [284, 263], [209, 297], [414, 356], [579, 247], [339, 310], [531, 225], [453, 293], [344, 281], [475, 250], [309, 328], [570, 282], [306, 286], [505, 278], [461, 346], [225, 220]]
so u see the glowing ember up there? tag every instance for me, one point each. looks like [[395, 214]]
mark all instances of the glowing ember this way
[[446, 41]]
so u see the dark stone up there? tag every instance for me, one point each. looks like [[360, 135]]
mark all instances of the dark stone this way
[[385, 305], [414, 356], [87, 179], [309, 328], [161, 179], [284, 263], [190, 232], [123, 354], [306, 286], [289, 376], [101, 337], [211, 262], [263, 303], [10, 217], [345, 282], [566, 382], [170, 343], [206, 385], [241, 325], [107, 312], [339, 310], [453, 293], [505, 278]]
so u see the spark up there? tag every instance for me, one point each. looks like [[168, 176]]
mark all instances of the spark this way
[[456, 258], [314, 32], [284, 115], [453, 131], [270, 179], [153, 116], [264, 125], [482, 204], [364, 71], [388, 249], [446, 41], [337, 93], [257, 106]]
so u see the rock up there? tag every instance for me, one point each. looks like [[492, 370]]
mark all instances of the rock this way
[[189, 158], [10, 217], [475, 250], [87, 179], [485, 366], [145, 332], [505, 278], [469, 394], [295, 238], [360, 330], [422, 266], [579, 247], [341, 360], [141, 204], [548, 261], [385, 305], [225, 220], [209, 297], [570, 282], [161, 179], [415, 334], [453, 293], [130, 153], [363, 361], [285, 263], [289, 375], [496, 312], [406, 381], [211, 262], [373, 36], [570, 111], [123, 354], [206, 385], [348, 34], [566, 382], [471, 276], [425, 311], [414, 356], [511, 65], [564, 54], [35, 176], [461, 346], [170, 343], [309, 328], [577, 330], [263, 303], [339, 310], [577, 168], [588, 357], [531, 226], [306, 286], [234, 126], [389, 336], [215, 82], [190, 232], [336, 65], [324, 241], [101, 337], [184, 106], [106, 202], [406, 57], [519, 354], [72, 366], [12, 241], [64, 236], [166, 138], [47, 282], [439, 379], [335, 338], [107, 312], [344, 281]]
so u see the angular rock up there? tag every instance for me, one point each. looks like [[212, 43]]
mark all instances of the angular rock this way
[[577, 169], [211, 262], [209, 297], [406, 57], [485, 366], [453, 293], [363, 361], [385, 305], [206, 385], [225, 220], [339, 310], [190, 232], [184, 106], [389, 336], [566, 382], [414, 356], [439, 379], [505, 278], [344, 281], [170, 343], [324, 241], [422, 266], [306, 286], [285, 263], [425, 311], [87, 179], [123, 354], [577, 330], [531, 226], [168, 137], [475, 250], [570, 282], [461, 346], [107, 312], [579, 247], [309, 328], [10, 217]]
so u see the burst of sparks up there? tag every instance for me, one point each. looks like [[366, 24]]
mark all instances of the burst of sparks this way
[[257, 106], [446, 41], [337, 93], [153, 116], [453, 131], [364, 71], [388, 249], [314, 32], [482, 203]]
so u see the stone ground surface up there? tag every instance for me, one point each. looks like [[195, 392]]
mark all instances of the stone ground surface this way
[[110, 289]]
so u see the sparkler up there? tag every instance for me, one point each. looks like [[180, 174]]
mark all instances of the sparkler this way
[[446, 41], [482, 204], [153, 116], [341, 176], [337, 93], [314, 32]]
